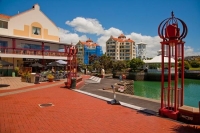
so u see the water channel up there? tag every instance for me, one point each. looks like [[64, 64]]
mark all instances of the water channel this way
[[151, 89]]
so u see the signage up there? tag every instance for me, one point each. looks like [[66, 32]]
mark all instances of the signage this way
[[187, 117]]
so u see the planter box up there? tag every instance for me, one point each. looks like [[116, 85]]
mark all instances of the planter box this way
[[23, 79], [50, 80]]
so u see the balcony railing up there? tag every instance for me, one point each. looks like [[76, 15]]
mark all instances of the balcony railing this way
[[6, 50]]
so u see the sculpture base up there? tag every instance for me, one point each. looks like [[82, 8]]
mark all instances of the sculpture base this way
[[114, 102], [166, 112]]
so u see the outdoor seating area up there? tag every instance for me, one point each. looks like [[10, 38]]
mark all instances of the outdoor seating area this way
[[37, 72]]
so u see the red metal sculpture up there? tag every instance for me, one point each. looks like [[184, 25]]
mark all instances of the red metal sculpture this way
[[172, 46], [71, 64]]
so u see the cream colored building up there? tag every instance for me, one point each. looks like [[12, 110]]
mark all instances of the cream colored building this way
[[120, 48], [30, 35]]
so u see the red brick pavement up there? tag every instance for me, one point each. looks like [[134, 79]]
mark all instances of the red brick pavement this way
[[76, 113]]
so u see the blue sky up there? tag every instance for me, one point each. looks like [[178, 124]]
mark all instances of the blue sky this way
[[99, 19]]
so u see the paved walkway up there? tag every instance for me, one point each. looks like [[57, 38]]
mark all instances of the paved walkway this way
[[75, 112]]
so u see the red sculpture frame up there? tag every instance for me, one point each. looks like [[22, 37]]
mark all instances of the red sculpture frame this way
[[172, 45], [71, 65]]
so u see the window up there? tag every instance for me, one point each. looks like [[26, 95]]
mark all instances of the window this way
[[36, 31], [46, 48], [33, 46], [3, 24], [3, 44]]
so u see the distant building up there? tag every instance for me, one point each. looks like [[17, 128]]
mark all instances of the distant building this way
[[141, 50], [120, 48], [86, 49]]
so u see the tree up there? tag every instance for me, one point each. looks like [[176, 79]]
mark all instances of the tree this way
[[186, 64], [106, 62], [92, 58], [119, 65], [96, 65], [136, 63], [194, 64]]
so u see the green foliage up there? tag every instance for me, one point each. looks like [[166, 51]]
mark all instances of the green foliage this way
[[16, 69], [92, 58], [127, 63], [195, 69], [195, 64], [119, 65], [136, 63], [152, 66], [90, 68], [96, 65], [106, 62], [186, 64]]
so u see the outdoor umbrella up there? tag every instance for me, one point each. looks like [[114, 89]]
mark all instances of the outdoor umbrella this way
[[5, 63], [61, 61], [36, 65], [55, 64]]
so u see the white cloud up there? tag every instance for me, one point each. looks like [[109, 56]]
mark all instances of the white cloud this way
[[189, 51], [67, 37], [86, 25], [92, 26], [153, 43], [112, 31], [106, 35]]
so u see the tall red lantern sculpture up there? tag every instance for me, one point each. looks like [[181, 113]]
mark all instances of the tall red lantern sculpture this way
[[172, 46], [71, 64]]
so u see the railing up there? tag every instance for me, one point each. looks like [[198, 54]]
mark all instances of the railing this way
[[6, 50], [160, 70]]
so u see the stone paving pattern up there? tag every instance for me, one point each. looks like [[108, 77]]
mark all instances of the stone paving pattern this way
[[74, 112]]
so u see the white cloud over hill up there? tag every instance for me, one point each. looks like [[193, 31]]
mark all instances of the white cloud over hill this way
[[93, 26]]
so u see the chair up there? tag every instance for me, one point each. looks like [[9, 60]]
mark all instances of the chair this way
[[42, 77]]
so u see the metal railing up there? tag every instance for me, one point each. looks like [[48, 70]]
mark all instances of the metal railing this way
[[6, 50]]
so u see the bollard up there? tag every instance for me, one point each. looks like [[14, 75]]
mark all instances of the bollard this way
[[199, 107], [120, 77], [114, 101]]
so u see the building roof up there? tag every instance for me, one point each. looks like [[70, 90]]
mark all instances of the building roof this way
[[142, 43], [158, 59], [89, 42], [122, 36], [34, 7], [4, 17], [121, 39]]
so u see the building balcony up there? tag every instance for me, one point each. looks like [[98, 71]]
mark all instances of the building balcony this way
[[30, 53]]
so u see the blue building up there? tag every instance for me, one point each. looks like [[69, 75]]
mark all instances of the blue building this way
[[86, 49]]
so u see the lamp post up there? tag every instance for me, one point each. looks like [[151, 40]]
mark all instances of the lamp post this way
[[172, 46]]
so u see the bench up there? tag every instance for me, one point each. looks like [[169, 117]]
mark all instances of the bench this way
[[108, 75]]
